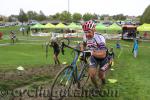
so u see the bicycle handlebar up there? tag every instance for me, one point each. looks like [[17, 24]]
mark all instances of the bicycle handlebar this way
[[64, 45]]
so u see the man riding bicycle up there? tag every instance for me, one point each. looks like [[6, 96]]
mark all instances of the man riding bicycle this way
[[96, 44]]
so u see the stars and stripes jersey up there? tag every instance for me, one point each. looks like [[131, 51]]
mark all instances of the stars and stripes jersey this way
[[96, 43]]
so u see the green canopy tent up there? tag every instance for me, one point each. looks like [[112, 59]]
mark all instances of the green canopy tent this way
[[74, 26], [49, 25], [39, 30], [144, 27], [37, 26], [101, 27], [114, 27], [60, 26]]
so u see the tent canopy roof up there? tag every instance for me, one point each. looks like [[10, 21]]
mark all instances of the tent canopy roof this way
[[144, 27], [114, 27], [49, 25], [100, 26], [60, 25], [74, 26], [37, 26]]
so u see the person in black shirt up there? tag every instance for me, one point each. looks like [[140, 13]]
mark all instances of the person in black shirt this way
[[112, 56], [12, 36], [56, 50], [111, 53]]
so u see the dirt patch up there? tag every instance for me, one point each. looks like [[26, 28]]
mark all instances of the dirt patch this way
[[28, 73], [50, 70]]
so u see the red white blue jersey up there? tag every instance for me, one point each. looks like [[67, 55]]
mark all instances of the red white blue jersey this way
[[97, 42]]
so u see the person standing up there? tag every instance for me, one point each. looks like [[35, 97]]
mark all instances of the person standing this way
[[135, 48], [12, 36], [118, 44], [112, 56], [28, 30]]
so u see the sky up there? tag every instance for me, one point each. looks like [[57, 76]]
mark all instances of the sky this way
[[51, 7]]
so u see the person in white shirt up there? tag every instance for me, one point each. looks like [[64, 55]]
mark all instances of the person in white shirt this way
[[99, 53]]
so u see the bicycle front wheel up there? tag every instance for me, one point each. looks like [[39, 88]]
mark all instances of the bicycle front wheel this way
[[83, 74], [62, 83]]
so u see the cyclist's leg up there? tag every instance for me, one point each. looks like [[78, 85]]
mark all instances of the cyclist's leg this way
[[104, 66], [56, 54], [102, 76], [92, 70], [12, 40]]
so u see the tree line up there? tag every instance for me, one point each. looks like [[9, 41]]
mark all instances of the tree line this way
[[145, 18], [66, 16]]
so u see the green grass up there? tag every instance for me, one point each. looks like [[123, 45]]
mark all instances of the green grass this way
[[132, 74], [27, 54]]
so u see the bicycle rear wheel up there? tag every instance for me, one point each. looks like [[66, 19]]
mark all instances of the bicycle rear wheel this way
[[62, 83]]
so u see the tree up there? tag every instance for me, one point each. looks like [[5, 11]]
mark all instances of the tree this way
[[1, 18], [66, 16], [95, 16], [13, 18], [56, 16], [35, 15], [145, 16], [119, 17], [87, 16], [22, 16], [103, 16], [76, 17], [31, 15], [41, 16], [50, 17]]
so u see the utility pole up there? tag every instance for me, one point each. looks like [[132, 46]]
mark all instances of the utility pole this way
[[68, 5]]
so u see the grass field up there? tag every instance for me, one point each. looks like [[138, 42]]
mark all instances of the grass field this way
[[132, 74]]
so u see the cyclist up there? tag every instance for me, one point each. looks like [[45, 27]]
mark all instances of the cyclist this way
[[99, 53], [56, 49]]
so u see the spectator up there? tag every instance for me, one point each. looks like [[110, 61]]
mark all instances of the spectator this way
[[1, 34], [12, 36], [28, 30], [112, 56], [118, 44], [145, 35], [135, 48], [22, 29]]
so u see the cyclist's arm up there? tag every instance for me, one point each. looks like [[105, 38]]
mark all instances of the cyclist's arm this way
[[82, 46], [99, 53]]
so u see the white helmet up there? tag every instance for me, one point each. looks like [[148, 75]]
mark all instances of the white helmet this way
[[54, 39]]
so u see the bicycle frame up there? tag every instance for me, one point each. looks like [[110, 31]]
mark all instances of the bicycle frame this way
[[74, 66]]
